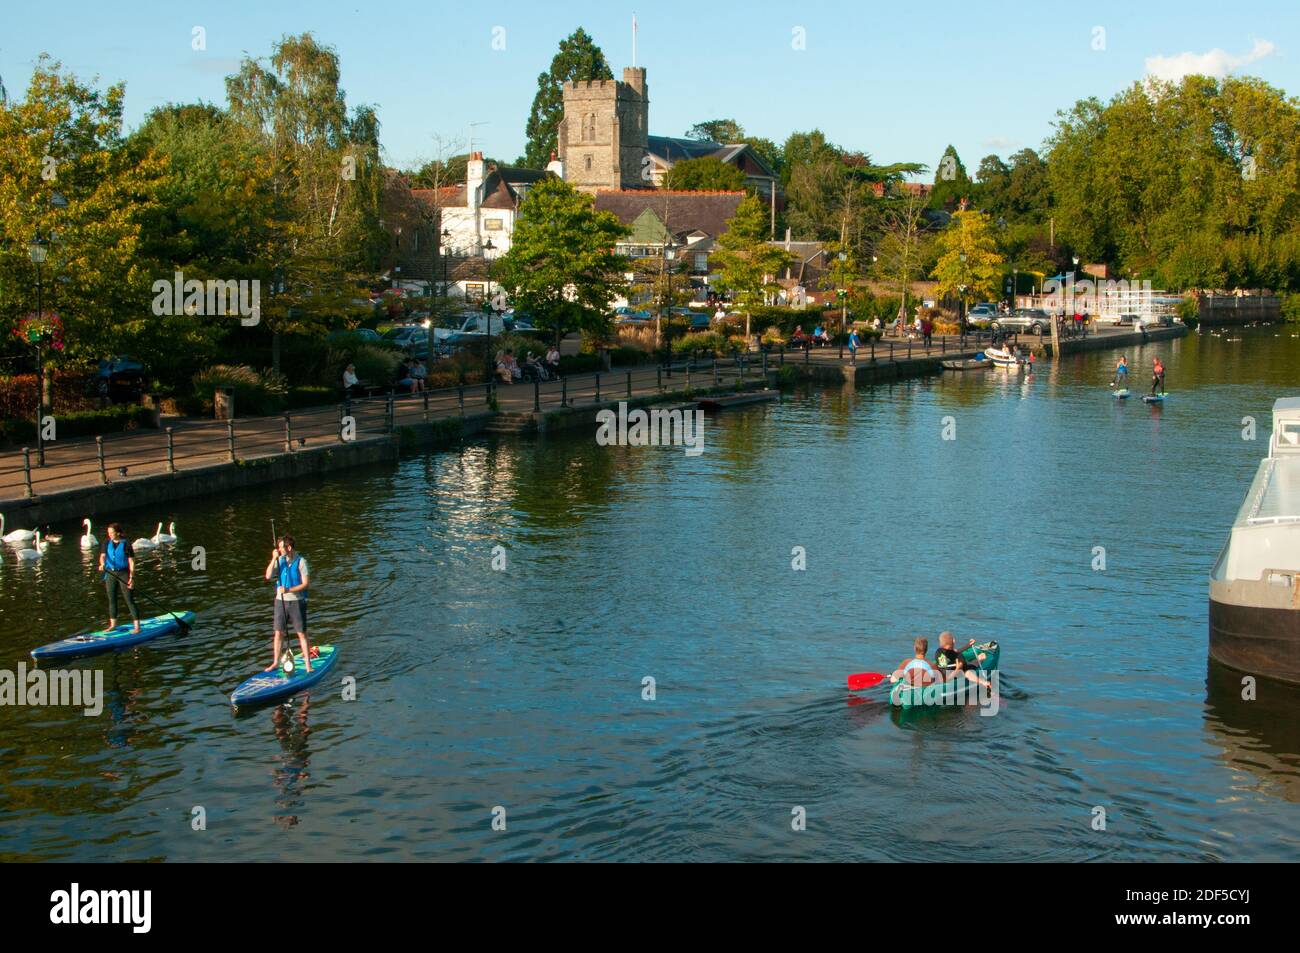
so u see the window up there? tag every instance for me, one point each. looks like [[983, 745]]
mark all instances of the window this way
[[701, 261], [587, 160], [492, 224], [474, 290]]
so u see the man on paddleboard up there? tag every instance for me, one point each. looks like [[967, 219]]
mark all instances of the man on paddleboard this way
[[1121, 373], [117, 563], [1157, 377], [289, 570]]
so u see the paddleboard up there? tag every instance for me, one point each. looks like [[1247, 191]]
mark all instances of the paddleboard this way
[[275, 685], [1121, 394], [1154, 400], [111, 640]]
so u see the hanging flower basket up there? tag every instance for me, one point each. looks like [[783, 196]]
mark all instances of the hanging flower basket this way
[[41, 329]]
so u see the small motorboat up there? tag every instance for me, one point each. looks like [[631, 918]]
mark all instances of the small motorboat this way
[[976, 363], [1001, 357]]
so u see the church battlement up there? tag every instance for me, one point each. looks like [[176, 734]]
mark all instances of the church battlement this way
[[602, 138]]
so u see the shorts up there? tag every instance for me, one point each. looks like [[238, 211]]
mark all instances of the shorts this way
[[291, 615]]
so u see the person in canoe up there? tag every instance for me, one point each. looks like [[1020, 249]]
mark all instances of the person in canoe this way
[[1121, 373], [917, 670], [948, 659], [117, 563], [289, 569], [1157, 377]]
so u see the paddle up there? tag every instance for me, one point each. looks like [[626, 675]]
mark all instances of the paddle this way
[[863, 680], [185, 626]]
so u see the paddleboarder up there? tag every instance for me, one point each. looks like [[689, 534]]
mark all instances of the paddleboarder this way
[[116, 558], [1121, 373], [1157, 377], [289, 570]]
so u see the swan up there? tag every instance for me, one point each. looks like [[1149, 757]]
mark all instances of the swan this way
[[88, 541], [17, 536], [145, 542], [53, 537], [30, 555], [168, 537]]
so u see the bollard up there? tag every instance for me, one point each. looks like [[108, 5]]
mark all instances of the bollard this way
[[629, 385], [891, 351], [27, 473], [487, 392], [765, 367], [564, 392], [171, 451], [391, 412], [460, 398], [598, 387], [537, 396], [230, 439], [909, 349], [99, 452], [288, 435], [426, 406], [873, 350], [781, 356]]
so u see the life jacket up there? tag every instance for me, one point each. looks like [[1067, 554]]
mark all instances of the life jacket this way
[[1158, 368], [290, 576], [115, 555]]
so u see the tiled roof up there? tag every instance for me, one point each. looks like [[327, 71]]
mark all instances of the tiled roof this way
[[681, 212]]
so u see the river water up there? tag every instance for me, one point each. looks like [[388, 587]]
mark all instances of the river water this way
[[519, 693]]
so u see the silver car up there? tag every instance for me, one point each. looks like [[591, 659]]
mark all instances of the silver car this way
[[1033, 320]]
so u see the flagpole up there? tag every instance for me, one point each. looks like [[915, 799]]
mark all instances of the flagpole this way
[[634, 41]]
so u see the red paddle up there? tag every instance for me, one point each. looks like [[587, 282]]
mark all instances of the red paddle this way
[[865, 680]]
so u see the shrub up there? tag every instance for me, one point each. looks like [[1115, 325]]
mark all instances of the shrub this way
[[1290, 308], [699, 341], [637, 338], [256, 393], [374, 365], [627, 357], [579, 363], [81, 423], [773, 335], [71, 390]]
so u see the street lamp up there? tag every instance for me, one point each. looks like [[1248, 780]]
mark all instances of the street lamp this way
[[844, 294], [488, 250], [38, 249], [665, 326]]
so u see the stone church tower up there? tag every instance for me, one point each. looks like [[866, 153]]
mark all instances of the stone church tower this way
[[602, 137]]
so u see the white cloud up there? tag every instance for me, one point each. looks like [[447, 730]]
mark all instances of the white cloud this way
[[1217, 63], [999, 142]]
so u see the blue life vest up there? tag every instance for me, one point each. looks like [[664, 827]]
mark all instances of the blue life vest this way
[[289, 574], [115, 556]]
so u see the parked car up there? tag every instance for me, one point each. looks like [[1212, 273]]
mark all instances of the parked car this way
[[121, 380], [1034, 320], [627, 317], [366, 334], [411, 338], [981, 316]]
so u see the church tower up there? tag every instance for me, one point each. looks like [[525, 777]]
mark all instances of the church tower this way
[[602, 137]]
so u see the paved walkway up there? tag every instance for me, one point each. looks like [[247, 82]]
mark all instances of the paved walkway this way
[[195, 443]]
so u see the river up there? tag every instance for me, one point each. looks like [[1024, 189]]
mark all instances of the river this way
[[519, 693]]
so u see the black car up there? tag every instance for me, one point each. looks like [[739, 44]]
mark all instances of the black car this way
[[121, 380]]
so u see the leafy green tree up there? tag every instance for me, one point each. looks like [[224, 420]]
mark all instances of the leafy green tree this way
[[969, 264], [579, 59], [725, 131], [901, 249], [746, 263], [706, 174], [562, 267], [841, 276], [64, 138]]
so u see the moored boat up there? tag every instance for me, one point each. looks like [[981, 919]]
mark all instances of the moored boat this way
[[1002, 357], [1255, 583], [955, 691], [968, 364]]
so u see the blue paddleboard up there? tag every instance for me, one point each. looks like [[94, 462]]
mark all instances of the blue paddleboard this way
[[110, 640], [1154, 400], [274, 685], [1121, 394]]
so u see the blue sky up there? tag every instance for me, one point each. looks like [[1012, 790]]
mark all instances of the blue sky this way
[[899, 82]]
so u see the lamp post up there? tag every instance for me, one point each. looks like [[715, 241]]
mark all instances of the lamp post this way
[[488, 251], [666, 303], [38, 249]]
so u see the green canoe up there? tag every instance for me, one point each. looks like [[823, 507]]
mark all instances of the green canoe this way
[[951, 692]]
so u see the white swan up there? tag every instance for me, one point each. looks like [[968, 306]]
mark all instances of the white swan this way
[[160, 537], [88, 540], [17, 536], [31, 555], [145, 542]]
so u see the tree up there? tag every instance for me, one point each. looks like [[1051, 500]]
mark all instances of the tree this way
[[326, 167], [706, 174], [725, 131], [579, 59], [745, 261], [64, 137], [951, 183], [840, 276], [439, 173], [562, 267], [969, 264], [900, 251]]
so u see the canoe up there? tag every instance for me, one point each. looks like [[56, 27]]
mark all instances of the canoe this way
[[968, 364], [948, 693], [275, 685], [111, 640]]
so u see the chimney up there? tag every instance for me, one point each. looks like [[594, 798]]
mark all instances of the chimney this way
[[474, 173]]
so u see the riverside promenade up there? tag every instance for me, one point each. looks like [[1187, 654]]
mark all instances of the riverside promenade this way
[[189, 456]]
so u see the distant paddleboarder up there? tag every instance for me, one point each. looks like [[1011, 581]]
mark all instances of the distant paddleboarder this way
[[1157, 377], [289, 570], [1121, 373], [117, 563]]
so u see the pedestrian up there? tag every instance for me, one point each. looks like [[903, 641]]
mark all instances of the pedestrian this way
[[289, 569], [118, 557], [927, 331], [350, 380], [853, 345]]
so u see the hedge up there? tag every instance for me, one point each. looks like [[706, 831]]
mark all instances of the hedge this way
[[81, 423]]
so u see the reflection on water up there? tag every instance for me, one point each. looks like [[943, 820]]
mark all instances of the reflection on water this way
[[1256, 727], [522, 686]]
